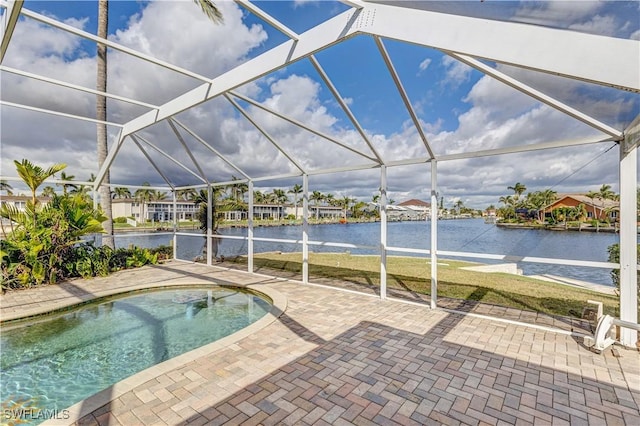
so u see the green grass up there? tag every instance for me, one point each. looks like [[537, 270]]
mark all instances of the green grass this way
[[411, 273]]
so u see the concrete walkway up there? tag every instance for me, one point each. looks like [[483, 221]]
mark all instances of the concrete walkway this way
[[335, 357]]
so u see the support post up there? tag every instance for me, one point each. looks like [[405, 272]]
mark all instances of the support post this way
[[383, 232], [434, 234], [305, 228], [628, 233], [250, 231], [209, 226], [175, 224]]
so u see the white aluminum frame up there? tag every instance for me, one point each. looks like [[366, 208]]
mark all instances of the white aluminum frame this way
[[611, 62]]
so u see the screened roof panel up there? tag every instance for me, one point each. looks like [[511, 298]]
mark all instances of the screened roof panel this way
[[616, 19], [166, 54]]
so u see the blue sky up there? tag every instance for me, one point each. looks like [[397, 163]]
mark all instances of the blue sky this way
[[458, 106]]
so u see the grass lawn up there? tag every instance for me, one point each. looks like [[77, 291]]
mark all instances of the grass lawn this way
[[412, 273]]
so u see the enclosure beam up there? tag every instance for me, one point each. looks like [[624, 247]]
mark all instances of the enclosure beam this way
[[268, 18], [311, 41], [302, 126], [113, 45], [264, 132], [76, 87], [628, 232], [536, 94], [169, 157], [383, 232], [175, 224], [9, 21], [403, 95], [609, 61], [146, 154], [250, 230], [345, 107], [209, 225], [186, 148], [305, 229], [211, 148], [59, 114], [434, 234]]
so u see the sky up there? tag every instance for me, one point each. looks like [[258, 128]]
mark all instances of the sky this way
[[459, 108]]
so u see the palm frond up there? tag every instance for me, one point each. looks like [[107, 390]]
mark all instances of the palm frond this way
[[210, 9]]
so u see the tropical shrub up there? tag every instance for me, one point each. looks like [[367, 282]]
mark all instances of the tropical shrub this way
[[43, 244], [38, 248]]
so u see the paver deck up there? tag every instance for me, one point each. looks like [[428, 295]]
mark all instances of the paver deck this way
[[337, 357]]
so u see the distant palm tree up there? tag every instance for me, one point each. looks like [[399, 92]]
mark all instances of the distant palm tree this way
[[518, 189], [81, 190], [280, 197], [33, 176], [605, 193], [158, 195], [66, 186], [330, 199], [258, 197], [592, 195], [186, 194], [296, 190], [4, 186], [121, 192], [48, 191], [317, 197], [344, 203], [143, 195]]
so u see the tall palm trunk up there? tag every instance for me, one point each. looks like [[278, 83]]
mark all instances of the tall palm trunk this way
[[101, 114]]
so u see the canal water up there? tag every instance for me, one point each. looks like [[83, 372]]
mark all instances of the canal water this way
[[464, 235]]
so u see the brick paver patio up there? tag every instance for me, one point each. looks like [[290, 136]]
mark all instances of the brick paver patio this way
[[336, 357]]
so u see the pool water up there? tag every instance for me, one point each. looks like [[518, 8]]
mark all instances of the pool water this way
[[49, 365]]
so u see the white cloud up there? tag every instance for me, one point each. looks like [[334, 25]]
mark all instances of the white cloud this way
[[456, 72], [424, 65], [603, 25]]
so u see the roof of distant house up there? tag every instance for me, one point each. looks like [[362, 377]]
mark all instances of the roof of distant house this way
[[415, 202]]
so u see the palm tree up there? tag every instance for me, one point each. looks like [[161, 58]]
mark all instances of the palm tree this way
[[121, 192], [33, 176], [212, 12], [209, 8], [66, 186], [297, 189], [508, 210], [101, 114], [258, 197], [186, 194], [143, 195], [458, 205], [158, 195], [280, 197], [48, 191], [82, 191], [605, 193], [345, 202], [4, 186], [330, 199], [317, 197], [518, 189]]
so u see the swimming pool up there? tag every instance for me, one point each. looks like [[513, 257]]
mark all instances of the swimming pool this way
[[49, 364]]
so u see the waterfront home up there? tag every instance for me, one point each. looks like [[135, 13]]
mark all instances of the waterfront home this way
[[154, 211], [416, 209], [604, 210]]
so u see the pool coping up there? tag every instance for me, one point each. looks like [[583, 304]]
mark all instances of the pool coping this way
[[82, 408]]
